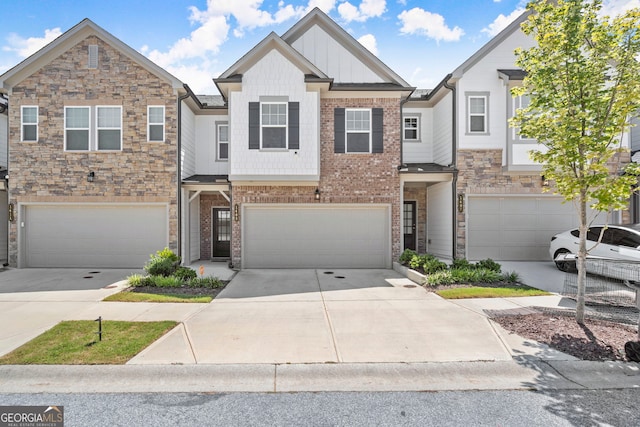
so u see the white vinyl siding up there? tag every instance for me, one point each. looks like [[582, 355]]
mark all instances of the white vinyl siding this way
[[29, 130], [358, 130], [155, 125]]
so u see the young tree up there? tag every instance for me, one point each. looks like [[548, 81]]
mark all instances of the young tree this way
[[583, 79]]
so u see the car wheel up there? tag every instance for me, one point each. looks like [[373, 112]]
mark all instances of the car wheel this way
[[566, 266]]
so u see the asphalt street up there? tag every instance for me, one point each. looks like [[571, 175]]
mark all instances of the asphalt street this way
[[583, 408]]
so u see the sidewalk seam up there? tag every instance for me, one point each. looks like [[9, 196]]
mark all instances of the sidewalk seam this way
[[188, 337]]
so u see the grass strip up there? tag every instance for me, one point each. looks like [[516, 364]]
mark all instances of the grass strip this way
[[128, 296], [75, 342], [487, 292]]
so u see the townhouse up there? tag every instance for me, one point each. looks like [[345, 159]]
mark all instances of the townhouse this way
[[315, 154]]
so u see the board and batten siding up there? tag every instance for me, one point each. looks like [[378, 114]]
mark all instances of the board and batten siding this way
[[188, 143], [442, 131], [420, 151], [206, 147], [274, 77], [326, 53], [440, 220]]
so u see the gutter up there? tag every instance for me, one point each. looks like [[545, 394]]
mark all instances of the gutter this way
[[454, 159], [179, 168]]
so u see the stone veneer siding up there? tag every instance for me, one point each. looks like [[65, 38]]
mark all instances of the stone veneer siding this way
[[143, 172], [208, 202], [344, 178], [480, 172]]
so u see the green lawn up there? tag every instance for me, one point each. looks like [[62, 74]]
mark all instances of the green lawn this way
[[127, 296], [76, 343], [487, 292]]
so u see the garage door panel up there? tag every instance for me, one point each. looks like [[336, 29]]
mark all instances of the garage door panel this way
[[518, 229], [106, 236], [314, 236]]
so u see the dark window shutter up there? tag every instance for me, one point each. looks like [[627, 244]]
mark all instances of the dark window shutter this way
[[339, 129], [376, 130], [294, 125], [254, 126]]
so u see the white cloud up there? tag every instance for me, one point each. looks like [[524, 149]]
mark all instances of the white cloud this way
[[367, 9], [501, 22], [431, 25], [25, 47], [369, 41], [616, 7]]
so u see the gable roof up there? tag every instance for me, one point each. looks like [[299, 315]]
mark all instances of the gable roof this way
[[491, 44], [66, 41], [272, 41], [319, 18]]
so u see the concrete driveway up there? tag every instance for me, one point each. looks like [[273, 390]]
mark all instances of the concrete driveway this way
[[319, 316], [59, 279], [539, 274]]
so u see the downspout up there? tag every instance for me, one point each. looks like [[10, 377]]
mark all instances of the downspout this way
[[179, 168], [454, 159]]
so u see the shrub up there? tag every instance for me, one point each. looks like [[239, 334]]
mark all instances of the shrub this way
[[476, 275], [433, 265], [461, 264], [489, 264], [407, 255], [135, 280], [511, 277], [439, 278], [160, 267], [418, 261], [185, 273], [165, 282], [206, 282], [167, 253]]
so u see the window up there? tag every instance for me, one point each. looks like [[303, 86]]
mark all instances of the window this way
[[76, 128], [274, 124], [477, 113], [222, 133], [29, 123], [521, 101], [358, 131], [106, 136], [109, 128], [155, 123], [273, 121], [411, 128]]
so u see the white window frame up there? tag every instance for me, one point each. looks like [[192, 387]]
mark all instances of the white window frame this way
[[219, 141], [357, 131], [150, 123], [23, 123], [99, 128], [285, 126], [517, 103], [88, 129], [415, 117], [485, 97]]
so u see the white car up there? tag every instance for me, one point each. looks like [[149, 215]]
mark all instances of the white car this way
[[620, 242]]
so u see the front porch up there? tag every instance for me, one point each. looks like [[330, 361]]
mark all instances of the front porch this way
[[428, 209]]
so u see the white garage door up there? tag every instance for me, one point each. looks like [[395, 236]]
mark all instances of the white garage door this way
[[301, 236], [515, 228], [116, 236]]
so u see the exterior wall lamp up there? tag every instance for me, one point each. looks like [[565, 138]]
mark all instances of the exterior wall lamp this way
[[91, 176], [11, 213], [316, 194], [236, 213], [460, 203]]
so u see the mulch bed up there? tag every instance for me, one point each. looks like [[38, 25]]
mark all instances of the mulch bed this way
[[183, 290]]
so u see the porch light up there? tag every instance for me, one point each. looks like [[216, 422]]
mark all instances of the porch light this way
[[236, 214], [11, 212], [91, 175], [460, 203], [316, 194]]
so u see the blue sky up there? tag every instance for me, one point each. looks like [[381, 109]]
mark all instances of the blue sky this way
[[196, 40]]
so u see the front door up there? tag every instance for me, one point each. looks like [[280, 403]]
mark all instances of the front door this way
[[221, 233], [409, 225]]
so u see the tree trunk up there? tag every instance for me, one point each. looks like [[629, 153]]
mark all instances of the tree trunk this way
[[582, 256]]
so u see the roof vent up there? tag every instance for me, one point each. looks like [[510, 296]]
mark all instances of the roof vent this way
[[93, 56]]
